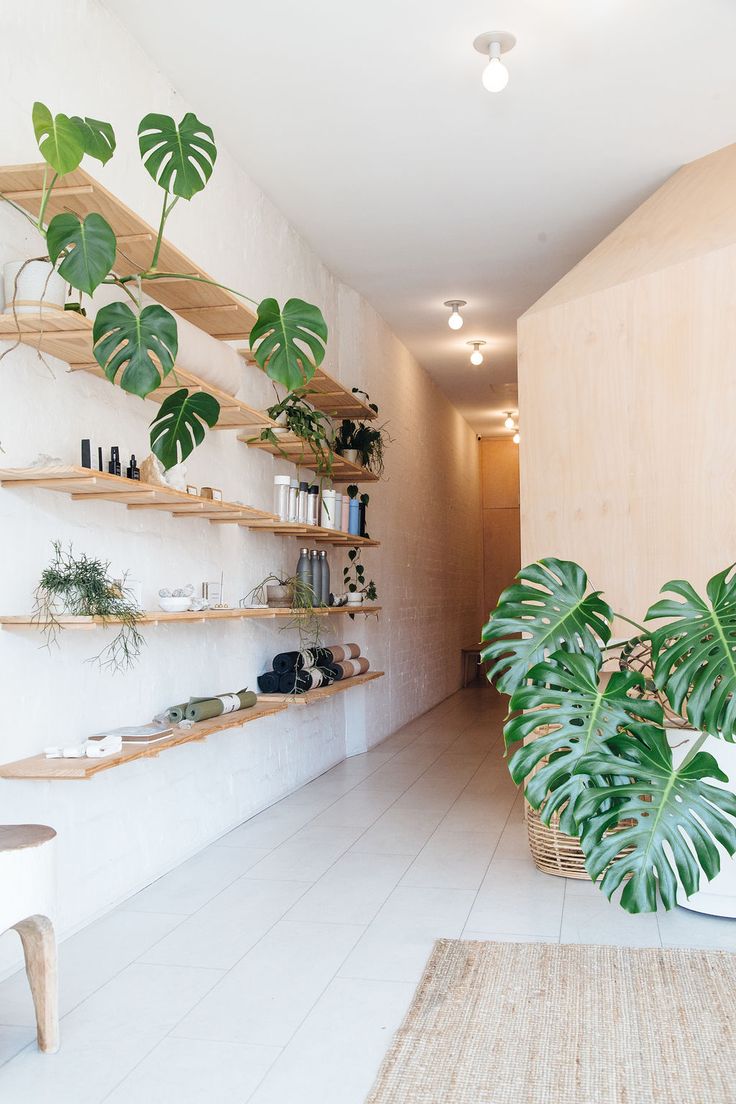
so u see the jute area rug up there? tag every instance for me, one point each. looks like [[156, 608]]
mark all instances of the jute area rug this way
[[538, 1023]]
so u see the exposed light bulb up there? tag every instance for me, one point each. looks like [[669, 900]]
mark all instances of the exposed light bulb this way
[[476, 357], [455, 321], [495, 75], [508, 421], [516, 438]]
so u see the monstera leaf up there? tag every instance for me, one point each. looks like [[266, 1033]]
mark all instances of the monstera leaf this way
[[695, 654], [678, 819], [142, 347], [179, 158], [548, 604], [89, 249], [281, 341], [565, 693], [98, 138], [59, 139], [179, 426]]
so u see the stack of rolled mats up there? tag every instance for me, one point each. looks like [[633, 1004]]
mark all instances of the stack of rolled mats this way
[[298, 672], [204, 709]]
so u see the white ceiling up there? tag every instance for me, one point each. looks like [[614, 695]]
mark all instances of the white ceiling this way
[[368, 126]]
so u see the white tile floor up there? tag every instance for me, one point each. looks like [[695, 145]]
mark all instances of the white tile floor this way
[[274, 966]]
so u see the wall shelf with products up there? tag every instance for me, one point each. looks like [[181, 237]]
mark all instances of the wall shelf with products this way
[[39, 768], [156, 617], [297, 451], [217, 311]]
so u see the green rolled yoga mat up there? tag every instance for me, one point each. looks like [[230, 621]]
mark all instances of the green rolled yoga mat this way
[[204, 709], [177, 713]]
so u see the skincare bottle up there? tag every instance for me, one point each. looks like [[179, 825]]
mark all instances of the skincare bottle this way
[[114, 467], [345, 513], [313, 505], [100, 461], [303, 508], [86, 453], [293, 497], [133, 471], [281, 485]]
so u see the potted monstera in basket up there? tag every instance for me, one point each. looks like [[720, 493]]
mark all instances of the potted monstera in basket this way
[[650, 804]]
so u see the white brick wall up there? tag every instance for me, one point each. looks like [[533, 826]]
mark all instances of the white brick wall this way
[[125, 827]]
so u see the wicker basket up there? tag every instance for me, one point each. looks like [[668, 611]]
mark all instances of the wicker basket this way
[[552, 851]]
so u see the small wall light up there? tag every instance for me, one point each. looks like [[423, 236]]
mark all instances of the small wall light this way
[[476, 357], [455, 321], [493, 44]]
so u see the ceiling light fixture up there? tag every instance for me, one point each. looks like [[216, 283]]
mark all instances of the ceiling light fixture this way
[[455, 321], [516, 438], [509, 420], [493, 44], [476, 357]]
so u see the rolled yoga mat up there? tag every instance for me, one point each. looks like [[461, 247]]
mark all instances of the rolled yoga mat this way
[[342, 652], [268, 682], [204, 709], [177, 713], [300, 682], [349, 668], [301, 661]]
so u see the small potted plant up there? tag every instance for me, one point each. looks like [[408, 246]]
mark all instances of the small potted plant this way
[[361, 441], [274, 591], [358, 590], [310, 425]]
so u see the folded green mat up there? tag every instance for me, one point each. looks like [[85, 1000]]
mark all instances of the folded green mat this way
[[204, 709], [177, 713]]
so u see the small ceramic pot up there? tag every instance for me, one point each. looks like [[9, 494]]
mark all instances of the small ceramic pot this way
[[351, 455], [355, 598], [31, 285], [175, 605], [279, 597]]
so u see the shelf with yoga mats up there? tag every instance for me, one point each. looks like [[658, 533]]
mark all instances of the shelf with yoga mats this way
[[87, 484], [321, 692], [68, 336], [154, 617], [217, 311], [296, 450], [39, 768]]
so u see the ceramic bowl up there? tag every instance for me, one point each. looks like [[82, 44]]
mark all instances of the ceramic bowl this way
[[174, 605]]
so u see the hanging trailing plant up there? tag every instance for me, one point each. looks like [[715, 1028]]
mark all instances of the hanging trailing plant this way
[[354, 577], [80, 586], [311, 425], [134, 344]]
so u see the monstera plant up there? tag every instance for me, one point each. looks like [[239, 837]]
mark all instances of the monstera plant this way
[[594, 751], [136, 345]]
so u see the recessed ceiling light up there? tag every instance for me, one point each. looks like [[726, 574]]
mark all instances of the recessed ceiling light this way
[[493, 44], [455, 321], [476, 357]]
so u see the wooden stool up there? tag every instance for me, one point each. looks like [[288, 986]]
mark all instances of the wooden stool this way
[[27, 899], [474, 654]]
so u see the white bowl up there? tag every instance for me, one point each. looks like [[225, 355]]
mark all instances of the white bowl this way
[[174, 605]]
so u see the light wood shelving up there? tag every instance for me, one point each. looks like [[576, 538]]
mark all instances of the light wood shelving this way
[[87, 484], [297, 451], [39, 768], [322, 692], [156, 617], [215, 310]]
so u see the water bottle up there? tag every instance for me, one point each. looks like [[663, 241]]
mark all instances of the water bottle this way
[[324, 568], [315, 577], [304, 571], [354, 517]]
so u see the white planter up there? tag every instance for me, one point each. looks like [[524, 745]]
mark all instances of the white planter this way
[[32, 284], [355, 598], [351, 455], [718, 897]]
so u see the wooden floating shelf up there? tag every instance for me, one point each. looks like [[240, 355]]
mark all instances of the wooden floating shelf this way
[[315, 533], [154, 617], [85, 484], [39, 768], [215, 310], [68, 336], [321, 692], [297, 451]]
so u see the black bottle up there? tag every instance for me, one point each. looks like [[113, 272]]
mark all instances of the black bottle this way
[[133, 471]]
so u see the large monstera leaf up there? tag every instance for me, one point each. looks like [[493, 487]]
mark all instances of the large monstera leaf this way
[[678, 819], [98, 137], [565, 693], [60, 140], [695, 654], [179, 158], [180, 425], [281, 341], [140, 349], [89, 249], [549, 604]]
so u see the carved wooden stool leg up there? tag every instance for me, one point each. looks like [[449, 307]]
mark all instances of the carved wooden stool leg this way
[[39, 948]]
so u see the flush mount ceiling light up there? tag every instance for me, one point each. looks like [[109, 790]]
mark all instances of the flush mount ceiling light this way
[[476, 357], [516, 438], [493, 44], [509, 420], [455, 321]]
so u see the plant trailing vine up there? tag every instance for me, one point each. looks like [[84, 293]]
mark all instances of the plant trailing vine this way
[[80, 586], [311, 425], [368, 440], [136, 344], [354, 577], [307, 623]]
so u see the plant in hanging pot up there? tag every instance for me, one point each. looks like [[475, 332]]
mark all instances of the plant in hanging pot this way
[[135, 343], [594, 752]]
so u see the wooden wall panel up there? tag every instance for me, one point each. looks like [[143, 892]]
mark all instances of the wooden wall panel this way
[[628, 398], [501, 536]]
